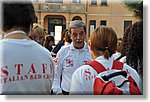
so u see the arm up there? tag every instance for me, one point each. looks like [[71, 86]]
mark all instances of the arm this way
[[57, 47], [56, 86], [135, 76], [77, 84]]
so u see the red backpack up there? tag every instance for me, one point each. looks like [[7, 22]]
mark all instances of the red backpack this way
[[113, 82]]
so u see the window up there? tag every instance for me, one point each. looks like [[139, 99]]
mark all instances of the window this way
[[103, 22], [54, 1], [103, 2], [93, 2], [126, 24], [92, 25], [76, 1], [55, 21]]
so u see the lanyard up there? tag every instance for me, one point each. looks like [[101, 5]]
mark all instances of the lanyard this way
[[14, 32]]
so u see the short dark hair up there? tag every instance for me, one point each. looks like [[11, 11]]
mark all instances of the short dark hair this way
[[17, 15]]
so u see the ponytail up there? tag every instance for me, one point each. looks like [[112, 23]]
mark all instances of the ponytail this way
[[106, 54]]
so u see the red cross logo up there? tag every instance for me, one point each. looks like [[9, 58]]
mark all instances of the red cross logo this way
[[69, 62]]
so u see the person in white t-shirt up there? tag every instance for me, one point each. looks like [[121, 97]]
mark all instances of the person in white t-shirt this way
[[103, 43], [26, 66], [70, 58]]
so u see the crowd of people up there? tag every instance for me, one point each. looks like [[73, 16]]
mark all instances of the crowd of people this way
[[29, 67]]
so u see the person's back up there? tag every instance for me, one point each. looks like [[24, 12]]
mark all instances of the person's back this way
[[26, 66]]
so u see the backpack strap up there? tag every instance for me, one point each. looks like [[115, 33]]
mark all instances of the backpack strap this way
[[100, 68], [117, 65], [97, 66]]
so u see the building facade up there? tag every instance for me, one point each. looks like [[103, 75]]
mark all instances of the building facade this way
[[55, 15]]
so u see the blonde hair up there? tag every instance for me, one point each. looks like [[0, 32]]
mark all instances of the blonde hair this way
[[103, 39], [38, 30]]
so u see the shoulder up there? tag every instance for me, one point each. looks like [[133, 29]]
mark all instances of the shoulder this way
[[129, 69], [116, 55], [123, 59], [64, 49], [62, 53], [2, 40], [86, 46], [42, 50]]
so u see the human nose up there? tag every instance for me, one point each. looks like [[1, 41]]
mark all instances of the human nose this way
[[78, 36]]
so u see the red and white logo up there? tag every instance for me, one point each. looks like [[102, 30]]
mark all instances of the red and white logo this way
[[69, 62]]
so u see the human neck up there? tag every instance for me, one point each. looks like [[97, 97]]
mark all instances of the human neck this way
[[15, 34], [95, 55]]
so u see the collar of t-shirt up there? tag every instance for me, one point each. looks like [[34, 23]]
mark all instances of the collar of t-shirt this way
[[19, 41], [107, 63]]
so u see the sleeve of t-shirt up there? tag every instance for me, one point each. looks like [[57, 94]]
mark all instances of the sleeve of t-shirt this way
[[135, 76], [57, 73], [77, 86]]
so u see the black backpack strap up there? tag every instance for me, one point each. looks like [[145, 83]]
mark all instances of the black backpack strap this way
[[97, 66]]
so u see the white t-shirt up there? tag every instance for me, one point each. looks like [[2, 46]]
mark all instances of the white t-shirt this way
[[123, 59], [83, 78], [27, 67], [116, 55], [68, 59], [0, 37]]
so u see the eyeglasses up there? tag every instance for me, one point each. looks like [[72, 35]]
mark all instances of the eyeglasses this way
[[81, 34]]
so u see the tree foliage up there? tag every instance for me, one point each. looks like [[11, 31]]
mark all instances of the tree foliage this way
[[136, 7]]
